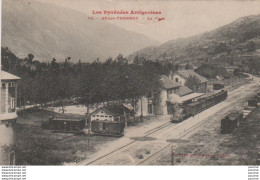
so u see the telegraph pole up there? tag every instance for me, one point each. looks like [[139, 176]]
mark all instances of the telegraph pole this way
[[141, 109], [125, 119], [172, 155], [89, 124]]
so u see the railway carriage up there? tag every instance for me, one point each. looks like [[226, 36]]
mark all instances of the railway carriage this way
[[194, 108], [66, 124], [218, 86]]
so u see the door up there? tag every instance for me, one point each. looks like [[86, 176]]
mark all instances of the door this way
[[150, 109]]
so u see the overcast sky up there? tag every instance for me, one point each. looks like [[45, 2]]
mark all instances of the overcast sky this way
[[182, 18]]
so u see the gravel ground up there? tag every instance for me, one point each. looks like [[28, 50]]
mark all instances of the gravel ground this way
[[209, 147], [36, 146]]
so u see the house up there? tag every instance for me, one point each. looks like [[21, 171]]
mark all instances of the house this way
[[181, 77], [172, 93], [8, 116], [111, 112]]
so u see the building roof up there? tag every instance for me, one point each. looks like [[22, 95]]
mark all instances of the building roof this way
[[7, 76], [179, 99], [167, 83], [57, 118], [185, 91], [186, 73], [114, 109]]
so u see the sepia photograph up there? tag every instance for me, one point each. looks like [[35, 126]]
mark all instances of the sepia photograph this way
[[130, 82]]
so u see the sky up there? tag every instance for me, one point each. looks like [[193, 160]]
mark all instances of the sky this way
[[182, 18]]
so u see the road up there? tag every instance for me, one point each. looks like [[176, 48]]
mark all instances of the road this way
[[141, 148]]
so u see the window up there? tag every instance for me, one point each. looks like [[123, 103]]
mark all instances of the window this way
[[93, 115], [101, 116], [3, 85], [97, 115], [176, 79], [110, 116], [102, 111], [12, 103]]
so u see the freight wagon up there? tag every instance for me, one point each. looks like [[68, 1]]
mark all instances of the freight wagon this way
[[65, 124], [230, 122], [107, 128], [110, 120], [194, 108], [254, 101]]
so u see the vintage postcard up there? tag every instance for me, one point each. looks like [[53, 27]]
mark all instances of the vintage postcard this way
[[130, 82]]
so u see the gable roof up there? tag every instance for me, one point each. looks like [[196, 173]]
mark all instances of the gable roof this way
[[185, 91], [7, 76], [114, 109], [167, 83], [186, 73]]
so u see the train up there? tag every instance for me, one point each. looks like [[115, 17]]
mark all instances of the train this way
[[193, 108]]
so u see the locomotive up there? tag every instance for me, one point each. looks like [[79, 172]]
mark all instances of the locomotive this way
[[191, 109]]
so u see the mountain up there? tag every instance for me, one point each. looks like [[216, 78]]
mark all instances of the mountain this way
[[237, 41], [49, 31]]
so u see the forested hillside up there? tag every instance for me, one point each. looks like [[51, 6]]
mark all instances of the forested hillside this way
[[97, 82], [235, 43]]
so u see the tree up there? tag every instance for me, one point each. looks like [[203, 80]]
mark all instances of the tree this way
[[188, 66], [40, 90], [30, 57], [193, 82]]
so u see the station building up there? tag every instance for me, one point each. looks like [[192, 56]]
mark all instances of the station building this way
[[8, 116]]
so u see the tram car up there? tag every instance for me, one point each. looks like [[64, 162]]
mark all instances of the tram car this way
[[66, 124], [194, 108], [107, 128], [231, 122]]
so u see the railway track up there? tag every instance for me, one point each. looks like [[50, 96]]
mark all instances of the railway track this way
[[133, 141], [156, 129], [193, 128]]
